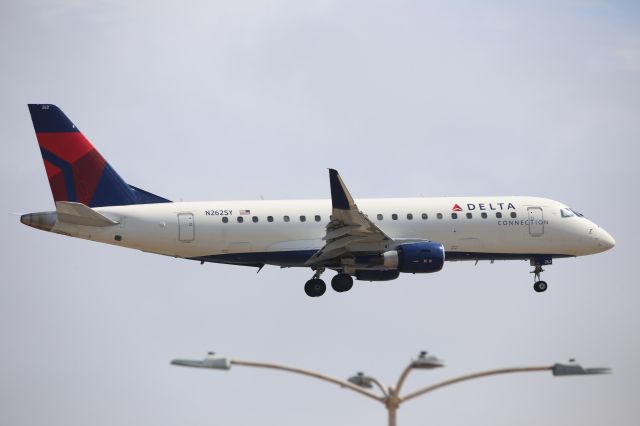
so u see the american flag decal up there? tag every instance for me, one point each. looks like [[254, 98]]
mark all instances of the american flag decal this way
[[245, 211]]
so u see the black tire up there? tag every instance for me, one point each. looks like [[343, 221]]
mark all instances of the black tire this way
[[540, 286], [342, 282], [315, 287]]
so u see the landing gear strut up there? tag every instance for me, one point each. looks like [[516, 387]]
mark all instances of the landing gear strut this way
[[539, 286], [315, 287]]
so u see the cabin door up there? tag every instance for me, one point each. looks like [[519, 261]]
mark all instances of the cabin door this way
[[186, 227], [536, 221]]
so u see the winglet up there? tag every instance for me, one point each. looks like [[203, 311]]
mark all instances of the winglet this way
[[340, 197]]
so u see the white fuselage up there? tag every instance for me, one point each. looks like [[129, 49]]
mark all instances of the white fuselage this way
[[514, 227]]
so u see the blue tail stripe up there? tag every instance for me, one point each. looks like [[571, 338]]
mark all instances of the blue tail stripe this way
[[112, 190], [49, 118], [145, 197], [67, 172]]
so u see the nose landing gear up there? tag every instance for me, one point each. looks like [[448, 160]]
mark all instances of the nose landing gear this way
[[539, 286], [537, 262]]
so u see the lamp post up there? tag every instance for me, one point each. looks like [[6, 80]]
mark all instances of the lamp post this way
[[390, 395]]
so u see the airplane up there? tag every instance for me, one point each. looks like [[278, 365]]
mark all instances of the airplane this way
[[371, 240]]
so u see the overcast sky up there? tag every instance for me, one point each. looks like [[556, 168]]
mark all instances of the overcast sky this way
[[207, 100]]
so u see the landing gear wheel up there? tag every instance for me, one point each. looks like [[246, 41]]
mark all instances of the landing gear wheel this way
[[315, 287], [540, 286], [342, 282]]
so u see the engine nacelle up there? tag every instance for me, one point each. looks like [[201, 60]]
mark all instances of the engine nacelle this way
[[365, 275], [415, 258]]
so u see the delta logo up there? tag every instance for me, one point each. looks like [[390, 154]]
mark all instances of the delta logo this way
[[484, 206]]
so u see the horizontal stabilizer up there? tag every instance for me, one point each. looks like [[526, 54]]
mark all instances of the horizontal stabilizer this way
[[79, 214]]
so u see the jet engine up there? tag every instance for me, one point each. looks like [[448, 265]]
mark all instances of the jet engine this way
[[422, 257]]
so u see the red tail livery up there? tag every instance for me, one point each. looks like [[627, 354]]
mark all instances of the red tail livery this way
[[75, 169]]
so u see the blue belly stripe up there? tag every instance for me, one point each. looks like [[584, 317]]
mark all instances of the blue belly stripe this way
[[297, 258]]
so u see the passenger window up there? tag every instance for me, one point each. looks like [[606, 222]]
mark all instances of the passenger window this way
[[318, 218], [269, 218], [303, 219], [469, 215], [409, 216], [380, 217], [424, 216], [484, 215], [439, 215], [286, 218], [454, 215], [498, 215], [225, 219], [394, 216], [255, 219], [240, 219], [513, 214]]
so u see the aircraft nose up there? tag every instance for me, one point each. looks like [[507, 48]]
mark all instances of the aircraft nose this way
[[605, 240]]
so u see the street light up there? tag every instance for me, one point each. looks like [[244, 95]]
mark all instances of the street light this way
[[426, 361], [573, 369], [361, 380], [210, 361], [391, 399]]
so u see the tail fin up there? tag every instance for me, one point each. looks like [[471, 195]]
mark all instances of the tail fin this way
[[75, 169]]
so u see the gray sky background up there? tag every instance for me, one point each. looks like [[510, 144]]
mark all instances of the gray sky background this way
[[236, 100]]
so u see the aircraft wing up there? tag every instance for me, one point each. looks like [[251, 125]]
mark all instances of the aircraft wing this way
[[348, 225]]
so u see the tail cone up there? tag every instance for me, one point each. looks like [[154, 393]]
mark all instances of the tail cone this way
[[45, 220]]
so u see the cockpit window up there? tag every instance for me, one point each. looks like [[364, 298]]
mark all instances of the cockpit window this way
[[567, 212]]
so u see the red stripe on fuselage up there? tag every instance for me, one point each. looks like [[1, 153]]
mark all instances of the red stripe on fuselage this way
[[69, 146]]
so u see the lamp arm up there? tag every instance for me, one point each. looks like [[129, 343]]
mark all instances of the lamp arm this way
[[402, 378], [381, 386], [308, 373], [474, 376]]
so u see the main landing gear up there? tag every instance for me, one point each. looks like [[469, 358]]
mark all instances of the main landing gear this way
[[342, 282], [315, 287]]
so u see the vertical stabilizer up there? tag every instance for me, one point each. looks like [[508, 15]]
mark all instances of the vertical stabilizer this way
[[75, 169]]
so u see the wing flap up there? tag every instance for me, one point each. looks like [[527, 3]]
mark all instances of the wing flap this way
[[340, 232]]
